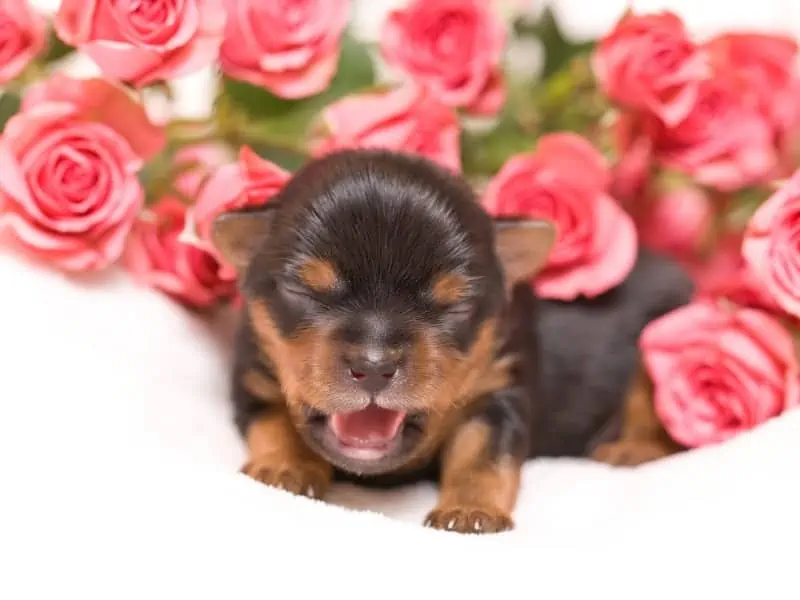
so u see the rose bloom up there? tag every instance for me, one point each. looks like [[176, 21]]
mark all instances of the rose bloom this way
[[648, 62], [405, 119], [564, 181], [677, 223], [772, 245], [631, 173], [196, 163], [452, 48], [251, 181], [143, 42], [23, 35], [718, 371], [290, 47], [68, 163], [157, 258], [765, 67], [725, 274], [723, 143]]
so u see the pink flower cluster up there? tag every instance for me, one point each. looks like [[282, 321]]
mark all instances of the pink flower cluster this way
[[68, 165], [697, 130], [722, 117]]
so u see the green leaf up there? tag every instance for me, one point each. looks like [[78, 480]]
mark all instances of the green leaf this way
[[354, 72], [255, 101], [9, 106], [558, 50], [485, 153], [289, 160], [745, 203], [56, 49], [569, 100]]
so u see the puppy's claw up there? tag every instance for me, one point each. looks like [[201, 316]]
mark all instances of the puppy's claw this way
[[466, 519], [302, 479]]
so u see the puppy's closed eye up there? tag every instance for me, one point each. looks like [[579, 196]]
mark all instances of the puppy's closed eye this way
[[460, 310], [294, 290]]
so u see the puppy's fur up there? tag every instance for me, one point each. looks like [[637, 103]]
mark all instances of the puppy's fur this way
[[390, 333]]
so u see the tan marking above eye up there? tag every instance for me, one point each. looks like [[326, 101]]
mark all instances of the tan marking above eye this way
[[319, 275], [449, 288]]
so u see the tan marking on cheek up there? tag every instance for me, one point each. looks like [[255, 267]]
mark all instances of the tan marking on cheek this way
[[446, 382], [479, 372], [449, 288], [496, 377], [318, 274], [304, 363]]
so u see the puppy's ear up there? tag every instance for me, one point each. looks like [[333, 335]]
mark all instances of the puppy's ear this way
[[522, 246], [237, 234]]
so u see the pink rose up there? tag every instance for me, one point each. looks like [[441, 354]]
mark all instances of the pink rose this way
[[726, 275], [454, 48], [251, 181], [772, 245], [196, 164], [157, 258], [564, 181], [648, 62], [406, 119], [143, 42], [719, 371], [765, 67], [723, 143], [630, 174], [677, 223], [290, 47], [68, 164], [23, 34]]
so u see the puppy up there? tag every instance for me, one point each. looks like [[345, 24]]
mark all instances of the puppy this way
[[389, 333]]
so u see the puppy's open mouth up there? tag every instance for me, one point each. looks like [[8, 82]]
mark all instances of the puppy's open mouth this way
[[368, 441], [367, 434]]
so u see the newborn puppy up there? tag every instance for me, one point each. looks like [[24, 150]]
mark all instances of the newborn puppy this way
[[389, 333]]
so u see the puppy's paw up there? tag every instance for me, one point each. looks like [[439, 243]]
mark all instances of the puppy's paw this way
[[304, 478], [469, 519], [629, 453]]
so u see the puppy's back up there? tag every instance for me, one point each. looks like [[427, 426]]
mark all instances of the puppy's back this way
[[589, 355]]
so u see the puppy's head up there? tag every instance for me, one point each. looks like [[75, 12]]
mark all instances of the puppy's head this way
[[374, 284]]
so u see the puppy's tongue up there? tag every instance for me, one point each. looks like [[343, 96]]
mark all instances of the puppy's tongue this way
[[372, 427]]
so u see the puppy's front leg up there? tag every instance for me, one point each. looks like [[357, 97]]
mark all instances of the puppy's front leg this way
[[277, 455], [481, 465]]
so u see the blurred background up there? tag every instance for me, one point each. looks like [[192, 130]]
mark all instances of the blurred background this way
[[578, 20]]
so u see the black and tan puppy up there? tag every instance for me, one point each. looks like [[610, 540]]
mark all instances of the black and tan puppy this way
[[389, 333]]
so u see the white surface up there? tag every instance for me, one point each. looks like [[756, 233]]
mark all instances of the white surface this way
[[119, 467]]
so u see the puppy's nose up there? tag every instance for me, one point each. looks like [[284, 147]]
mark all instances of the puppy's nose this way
[[373, 375]]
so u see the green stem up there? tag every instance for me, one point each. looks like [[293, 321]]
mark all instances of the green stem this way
[[231, 128]]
